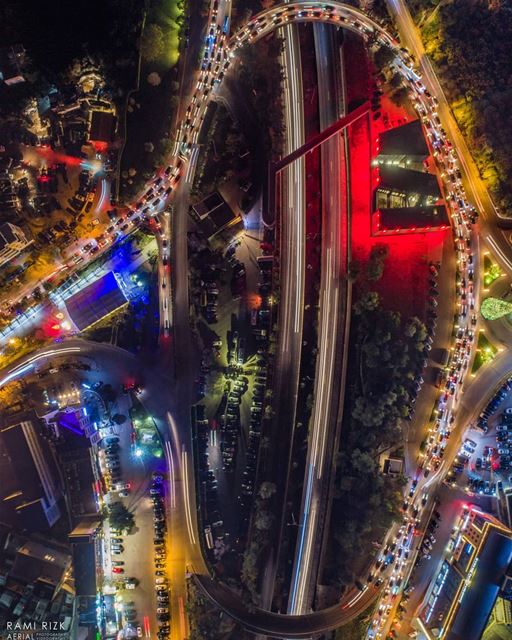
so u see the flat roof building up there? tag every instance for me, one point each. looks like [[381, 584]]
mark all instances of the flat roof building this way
[[214, 214], [36, 490], [35, 582], [463, 593], [11, 62], [417, 184], [102, 126], [406, 200]]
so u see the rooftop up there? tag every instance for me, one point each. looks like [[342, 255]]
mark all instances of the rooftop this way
[[406, 140], [103, 126], [408, 181], [214, 214], [478, 600], [94, 302], [412, 219], [37, 562]]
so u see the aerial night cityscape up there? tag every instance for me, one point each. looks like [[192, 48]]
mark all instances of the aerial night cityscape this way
[[255, 320]]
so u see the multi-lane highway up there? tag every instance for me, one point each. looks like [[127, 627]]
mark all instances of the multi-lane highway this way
[[292, 224], [333, 310]]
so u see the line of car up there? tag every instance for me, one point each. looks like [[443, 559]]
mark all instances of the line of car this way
[[156, 493], [463, 216]]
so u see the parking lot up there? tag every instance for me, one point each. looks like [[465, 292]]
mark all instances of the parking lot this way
[[483, 464], [233, 380]]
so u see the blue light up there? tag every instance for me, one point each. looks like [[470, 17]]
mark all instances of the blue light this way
[[85, 385]]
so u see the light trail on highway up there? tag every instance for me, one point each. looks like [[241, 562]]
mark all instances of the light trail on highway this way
[[186, 497], [326, 396], [172, 479]]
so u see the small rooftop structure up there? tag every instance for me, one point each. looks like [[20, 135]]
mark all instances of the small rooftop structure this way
[[96, 301], [103, 126], [214, 215], [393, 466], [407, 181]]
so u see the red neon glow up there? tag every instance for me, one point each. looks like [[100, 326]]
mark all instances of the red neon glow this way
[[52, 156], [99, 145]]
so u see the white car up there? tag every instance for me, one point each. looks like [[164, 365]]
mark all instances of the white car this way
[[503, 452]]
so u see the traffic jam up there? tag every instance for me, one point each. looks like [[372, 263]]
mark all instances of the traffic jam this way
[[389, 569]]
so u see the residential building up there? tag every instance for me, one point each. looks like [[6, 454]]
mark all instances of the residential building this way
[[34, 490], [11, 62], [35, 582], [12, 241]]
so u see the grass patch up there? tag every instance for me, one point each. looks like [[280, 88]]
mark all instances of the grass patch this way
[[491, 271], [485, 352]]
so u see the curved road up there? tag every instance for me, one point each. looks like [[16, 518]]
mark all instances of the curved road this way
[[177, 434]]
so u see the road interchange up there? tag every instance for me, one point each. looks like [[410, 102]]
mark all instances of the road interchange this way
[[224, 49]]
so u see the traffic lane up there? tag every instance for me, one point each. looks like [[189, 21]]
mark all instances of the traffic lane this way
[[306, 556], [288, 356]]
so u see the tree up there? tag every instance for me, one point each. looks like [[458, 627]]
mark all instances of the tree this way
[[369, 302], [267, 490], [154, 79], [107, 393], [263, 520], [400, 96], [378, 255], [152, 42], [383, 56], [119, 516]]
